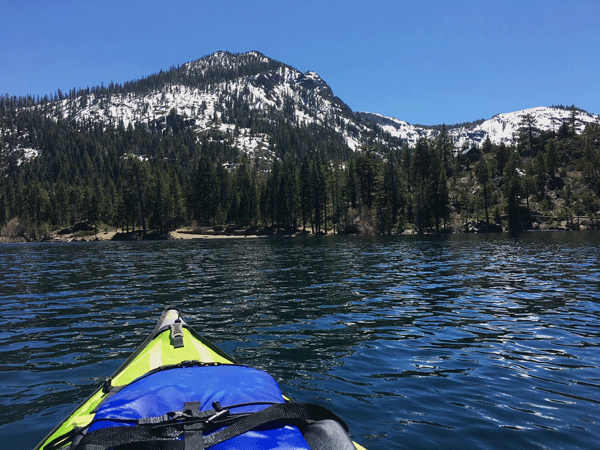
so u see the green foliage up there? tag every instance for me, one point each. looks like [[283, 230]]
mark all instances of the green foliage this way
[[160, 175]]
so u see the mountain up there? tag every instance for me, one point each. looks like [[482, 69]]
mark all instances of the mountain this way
[[243, 141], [223, 94], [246, 100], [500, 128]]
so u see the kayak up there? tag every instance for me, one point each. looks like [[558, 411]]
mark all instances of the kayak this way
[[178, 390]]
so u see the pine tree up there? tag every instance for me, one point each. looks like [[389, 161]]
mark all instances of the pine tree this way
[[271, 195], [202, 191], [336, 189], [305, 192], [540, 174], [573, 120], [483, 178], [528, 133], [445, 147], [319, 193], [161, 203], [552, 160], [245, 187], [421, 177], [138, 174], [351, 183], [288, 192], [512, 191], [366, 169], [502, 157], [390, 201], [437, 187]]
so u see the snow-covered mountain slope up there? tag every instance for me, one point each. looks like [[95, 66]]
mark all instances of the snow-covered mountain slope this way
[[500, 128], [505, 127], [398, 128], [227, 95], [209, 91]]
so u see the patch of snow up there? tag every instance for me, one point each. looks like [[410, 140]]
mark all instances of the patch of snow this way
[[251, 144], [138, 157], [352, 142], [27, 155]]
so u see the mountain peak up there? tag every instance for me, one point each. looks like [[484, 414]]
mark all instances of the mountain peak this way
[[224, 59]]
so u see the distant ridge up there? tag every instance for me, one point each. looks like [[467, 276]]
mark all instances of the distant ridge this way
[[500, 128]]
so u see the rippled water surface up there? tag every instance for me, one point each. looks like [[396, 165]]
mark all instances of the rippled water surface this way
[[487, 342]]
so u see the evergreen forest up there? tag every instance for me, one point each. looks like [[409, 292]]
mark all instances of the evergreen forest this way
[[151, 178]]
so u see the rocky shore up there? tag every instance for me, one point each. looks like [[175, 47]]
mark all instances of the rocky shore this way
[[83, 232]]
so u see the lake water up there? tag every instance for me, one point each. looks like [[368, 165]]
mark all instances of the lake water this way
[[462, 341]]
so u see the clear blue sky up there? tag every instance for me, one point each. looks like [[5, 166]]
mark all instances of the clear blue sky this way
[[425, 62]]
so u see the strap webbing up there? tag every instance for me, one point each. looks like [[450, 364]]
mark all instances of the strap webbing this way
[[127, 437], [283, 412], [146, 437]]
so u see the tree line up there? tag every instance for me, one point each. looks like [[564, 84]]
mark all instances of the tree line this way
[[150, 177]]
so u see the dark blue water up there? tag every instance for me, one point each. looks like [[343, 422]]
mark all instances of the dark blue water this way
[[487, 342]]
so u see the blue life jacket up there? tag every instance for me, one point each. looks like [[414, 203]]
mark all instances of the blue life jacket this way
[[165, 391]]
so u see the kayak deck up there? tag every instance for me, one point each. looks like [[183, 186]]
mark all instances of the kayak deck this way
[[172, 343]]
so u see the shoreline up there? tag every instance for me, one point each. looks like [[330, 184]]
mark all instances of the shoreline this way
[[177, 234], [185, 233]]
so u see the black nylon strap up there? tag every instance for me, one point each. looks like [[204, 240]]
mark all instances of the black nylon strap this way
[[284, 412], [146, 437], [127, 437], [193, 438]]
